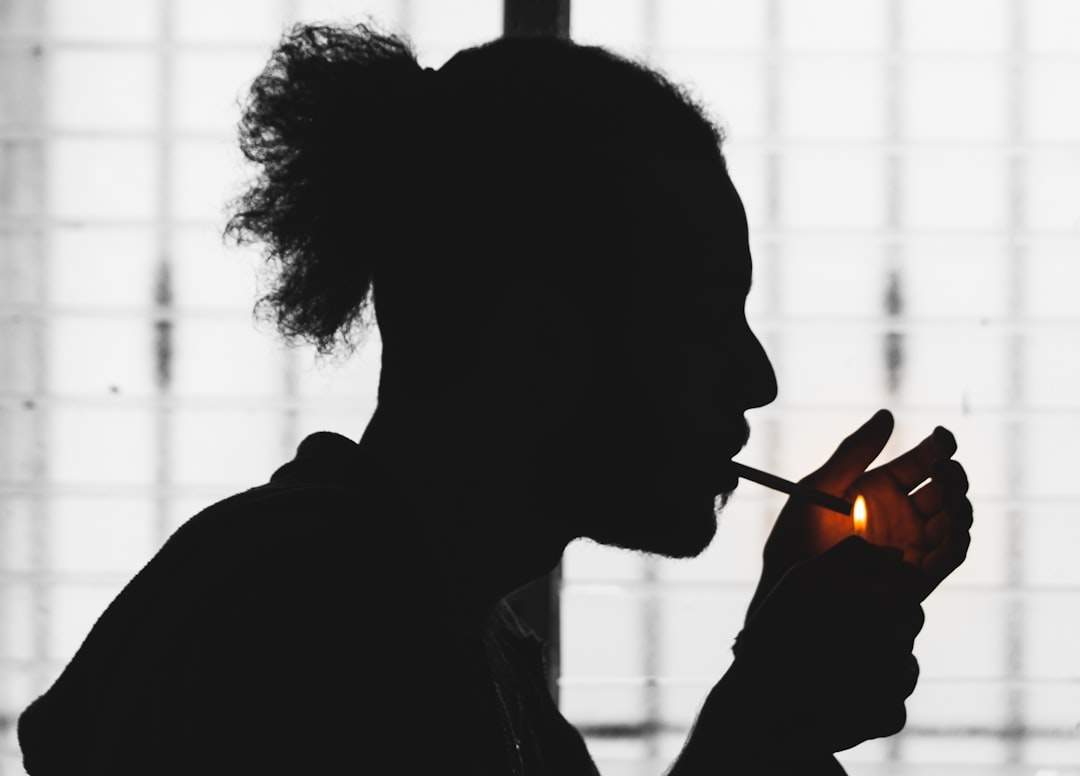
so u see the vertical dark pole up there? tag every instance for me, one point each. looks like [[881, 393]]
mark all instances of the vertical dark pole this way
[[652, 613], [546, 18], [1015, 630], [893, 343], [26, 448], [537, 603], [163, 291]]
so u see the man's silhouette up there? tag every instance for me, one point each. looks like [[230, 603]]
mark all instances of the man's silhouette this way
[[558, 261]]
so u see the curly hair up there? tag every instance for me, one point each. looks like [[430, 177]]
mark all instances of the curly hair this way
[[384, 185], [325, 90]]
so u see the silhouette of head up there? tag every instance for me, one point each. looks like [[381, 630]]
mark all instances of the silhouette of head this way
[[533, 208]]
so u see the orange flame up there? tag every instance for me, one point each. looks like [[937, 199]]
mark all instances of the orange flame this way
[[858, 516]]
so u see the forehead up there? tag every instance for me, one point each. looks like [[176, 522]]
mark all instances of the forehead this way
[[699, 219]]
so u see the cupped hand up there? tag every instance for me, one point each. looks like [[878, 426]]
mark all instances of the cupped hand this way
[[930, 526], [825, 662]]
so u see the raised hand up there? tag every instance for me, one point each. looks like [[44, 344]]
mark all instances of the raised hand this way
[[930, 526], [824, 663]]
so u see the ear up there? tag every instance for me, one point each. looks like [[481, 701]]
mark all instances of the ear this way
[[539, 347]]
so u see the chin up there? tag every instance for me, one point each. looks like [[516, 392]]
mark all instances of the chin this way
[[673, 530]]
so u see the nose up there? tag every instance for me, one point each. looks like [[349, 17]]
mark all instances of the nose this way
[[759, 387]]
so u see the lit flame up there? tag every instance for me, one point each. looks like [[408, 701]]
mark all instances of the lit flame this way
[[858, 516]]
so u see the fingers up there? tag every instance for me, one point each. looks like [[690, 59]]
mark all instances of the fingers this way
[[888, 672], [952, 528], [834, 638], [914, 466], [904, 616], [912, 677], [951, 474], [949, 516], [855, 453], [884, 696], [929, 500], [887, 714], [949, 479], [854, 556], [858, 569], [892, 721]]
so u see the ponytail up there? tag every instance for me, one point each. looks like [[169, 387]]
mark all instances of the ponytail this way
[[330, 124]]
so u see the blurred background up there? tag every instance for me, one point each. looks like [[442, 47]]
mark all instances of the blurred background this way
[[911, 172]]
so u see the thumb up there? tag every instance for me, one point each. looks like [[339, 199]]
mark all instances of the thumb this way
[[854, 454]]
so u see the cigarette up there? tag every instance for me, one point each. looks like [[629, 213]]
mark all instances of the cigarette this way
[[827, 500]]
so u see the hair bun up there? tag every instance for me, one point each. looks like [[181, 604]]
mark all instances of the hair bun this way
[[328, 125]]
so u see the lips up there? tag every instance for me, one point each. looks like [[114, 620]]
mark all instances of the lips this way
[[707, 459], [713, 473], [726, 480]]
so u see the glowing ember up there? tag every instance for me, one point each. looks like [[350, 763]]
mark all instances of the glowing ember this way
[[858, 516]]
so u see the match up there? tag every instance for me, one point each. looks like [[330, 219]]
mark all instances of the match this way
[[835, 503]]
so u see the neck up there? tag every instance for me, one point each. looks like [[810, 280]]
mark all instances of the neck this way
[[473, 509]]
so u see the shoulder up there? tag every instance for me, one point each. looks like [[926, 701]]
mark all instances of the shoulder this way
[[328, 502], [331, 628], [342, 555], [349, 646], [327, 553]]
